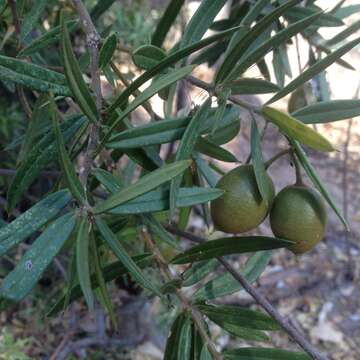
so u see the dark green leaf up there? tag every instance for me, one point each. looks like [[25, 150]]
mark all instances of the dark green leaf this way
[[199, 271], [123, 256], [297, 130], [325, 20], [166, 21], [158, 200], [32, 17], [110, 181], [147, 56], [33, 219], [82, 260], [110, 272], [42, 154], [315, 69], [236, 315], [29, 269], [187, 146], [143, 185], [246, 41], [328, 111], [169, 61], [346, 11], [67, 166], [185, 339], [77, 85], [100, 8], [229, 246], [244, 332], [107, 50], [262, 180], [172, 343], [157, 229], [201, 21], [280, 38], [159, 84], [251, 86], [264, 354], [208, 148], [226, 284], [314, 177], [33, 76], [48, 38]]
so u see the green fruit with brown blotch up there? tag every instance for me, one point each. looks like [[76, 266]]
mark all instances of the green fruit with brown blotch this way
[[241, 208], [299, 214]]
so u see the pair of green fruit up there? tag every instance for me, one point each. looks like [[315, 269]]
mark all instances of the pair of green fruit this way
[[297, 213]]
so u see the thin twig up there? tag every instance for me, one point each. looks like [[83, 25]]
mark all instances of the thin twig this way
[[93, 40], [260, 299], [198, 321]]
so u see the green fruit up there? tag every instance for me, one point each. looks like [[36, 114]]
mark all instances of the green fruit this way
[[241, 208], [299, 214]]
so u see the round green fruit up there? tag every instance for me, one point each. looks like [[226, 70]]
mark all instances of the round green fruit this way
[[299, 214], [241, 208]]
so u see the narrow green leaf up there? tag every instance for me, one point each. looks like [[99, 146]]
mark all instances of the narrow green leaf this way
[[159, 84], [166, 21], [205, 354], [264, 354], [74, 77], [169, 61], [185, 339], [107, 50], [172, 343], [158, 230], [262, 180], [187, 146], [314, 177], [328, 111], [32, 17], [225, 284], [346, 11], [105, 296], [32, 76], [244, 332], [147, 56], [201, 21], [280, 38], [343, 35], [110, 272], [251, 86], [165, 131], [209, 148], [229, 246], [110, 181], [325, 20], [315, 69], [207, 172], [245, 41], [41, 155], [82, 260], [29, 269], [199, 271], [32, 220], [49, 37], [143, 185], [297, 130], [158, 200], [67, 166], [100, 8], [123, 256], [237, 315]]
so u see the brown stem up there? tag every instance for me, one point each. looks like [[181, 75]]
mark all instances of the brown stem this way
[[298, 337], [196, 316], [276, 157], [93, 40]]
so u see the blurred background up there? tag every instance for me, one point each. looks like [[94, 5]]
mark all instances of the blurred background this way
[[320, 289]]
